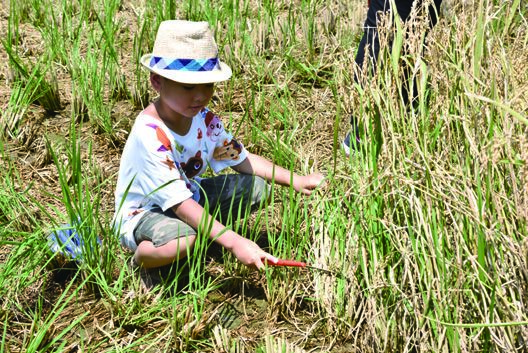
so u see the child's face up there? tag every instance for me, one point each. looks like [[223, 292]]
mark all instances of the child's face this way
[[185, 99]]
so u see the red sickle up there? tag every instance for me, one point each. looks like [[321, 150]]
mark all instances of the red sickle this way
[[293, 263]]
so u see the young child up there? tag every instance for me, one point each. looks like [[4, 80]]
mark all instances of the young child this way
[[160, 198]]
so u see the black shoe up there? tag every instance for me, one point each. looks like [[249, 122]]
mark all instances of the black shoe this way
[[351, 145]]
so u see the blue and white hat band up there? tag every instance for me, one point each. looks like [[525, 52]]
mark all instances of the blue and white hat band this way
[[157, 62]]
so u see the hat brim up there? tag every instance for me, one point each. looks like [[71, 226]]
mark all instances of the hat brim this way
[[194, 77]]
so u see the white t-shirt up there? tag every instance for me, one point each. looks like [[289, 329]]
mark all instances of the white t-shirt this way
[[161, 168]]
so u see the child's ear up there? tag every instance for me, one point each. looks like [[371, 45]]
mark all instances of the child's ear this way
[[155, 81]]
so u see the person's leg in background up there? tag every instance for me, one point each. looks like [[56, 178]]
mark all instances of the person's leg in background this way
[[370, 41], [404, 11]]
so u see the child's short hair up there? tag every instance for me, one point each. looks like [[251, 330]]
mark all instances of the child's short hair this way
[[186, 52]]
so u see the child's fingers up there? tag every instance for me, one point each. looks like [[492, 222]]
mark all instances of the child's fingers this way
[[321, 181], [259, 264], [269, 258], [265, 258], [251, 255], [259, 261]]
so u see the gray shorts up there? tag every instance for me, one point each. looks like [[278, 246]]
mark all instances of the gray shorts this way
[[228, 197]]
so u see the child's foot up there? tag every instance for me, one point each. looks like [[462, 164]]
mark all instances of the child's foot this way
[[164, 275], [150, 278]]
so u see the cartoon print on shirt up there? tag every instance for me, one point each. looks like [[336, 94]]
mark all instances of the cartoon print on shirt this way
[[200, 134], [193, 165], [135, 212], [230, 150], [162, 137], [169, 163], [214, 126], [182, 176]]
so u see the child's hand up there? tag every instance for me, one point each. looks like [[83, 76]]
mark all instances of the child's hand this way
[[250, 254], [307, 183]]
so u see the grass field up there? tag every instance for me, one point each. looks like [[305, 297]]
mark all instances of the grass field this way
[[424, 229]]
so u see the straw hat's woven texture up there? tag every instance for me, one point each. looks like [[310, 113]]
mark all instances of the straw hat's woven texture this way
[[186, 52]]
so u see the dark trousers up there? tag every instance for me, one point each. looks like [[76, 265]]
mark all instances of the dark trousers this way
[[370, 37]]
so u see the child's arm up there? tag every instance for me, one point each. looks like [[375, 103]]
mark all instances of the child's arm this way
[[245, 250], [264, 168]]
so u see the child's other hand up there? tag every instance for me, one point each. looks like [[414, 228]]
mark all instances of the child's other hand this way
[[307, 183], [250, 254]]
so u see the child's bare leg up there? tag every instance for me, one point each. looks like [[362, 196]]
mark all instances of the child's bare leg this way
[[149, 256]]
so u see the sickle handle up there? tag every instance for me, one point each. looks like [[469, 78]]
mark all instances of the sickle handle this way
[[288, 263]]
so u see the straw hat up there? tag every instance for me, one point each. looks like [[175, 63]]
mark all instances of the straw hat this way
[[186, 52]]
